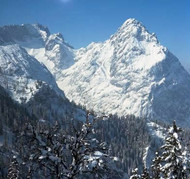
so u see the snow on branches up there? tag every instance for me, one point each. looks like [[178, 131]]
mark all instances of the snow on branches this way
[[55, 152]]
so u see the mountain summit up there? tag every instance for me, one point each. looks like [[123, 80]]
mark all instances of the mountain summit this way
[[134, 28], [130, 73]]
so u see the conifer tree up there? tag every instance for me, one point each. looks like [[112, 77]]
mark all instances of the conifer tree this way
[[156, 166], [13, 171], [172, 155], [145, 174]]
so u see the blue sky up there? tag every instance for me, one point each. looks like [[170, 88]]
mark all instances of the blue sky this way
[[84, 21]]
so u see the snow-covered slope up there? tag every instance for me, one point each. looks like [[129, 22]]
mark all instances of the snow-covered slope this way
[[21, 74], [29, 81], [49, 49], [55, 54], [130, 73]]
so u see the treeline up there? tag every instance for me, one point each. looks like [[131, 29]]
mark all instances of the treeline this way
[[12, 114], [12, 118], [127, 138]]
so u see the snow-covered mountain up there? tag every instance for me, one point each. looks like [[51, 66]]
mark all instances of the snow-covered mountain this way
[[26, 79], [49, 49], [130, 73], [21, 73]]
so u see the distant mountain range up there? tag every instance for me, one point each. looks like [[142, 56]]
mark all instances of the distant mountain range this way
[[130, 73]]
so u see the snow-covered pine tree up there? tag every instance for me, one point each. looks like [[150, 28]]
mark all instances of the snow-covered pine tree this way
[[172, 155], [134, 174], [156, 166], [13, 171], [145, 174]]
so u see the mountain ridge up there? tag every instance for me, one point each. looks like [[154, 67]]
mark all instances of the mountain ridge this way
[[130, 73]]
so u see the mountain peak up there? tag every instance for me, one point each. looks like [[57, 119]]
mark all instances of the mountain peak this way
[[131, 21], [133, 29], [131, 24]]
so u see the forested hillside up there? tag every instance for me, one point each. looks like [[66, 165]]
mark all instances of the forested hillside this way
[[12, 119]]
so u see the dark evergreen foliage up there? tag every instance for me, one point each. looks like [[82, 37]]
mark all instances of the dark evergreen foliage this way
[[13, 171], [12, 118], [172, 155], [63, 154], [127, 138], [156, 166], [145, 174], [172, 163]]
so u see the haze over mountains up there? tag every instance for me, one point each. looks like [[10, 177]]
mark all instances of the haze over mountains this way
[[130, 73]]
